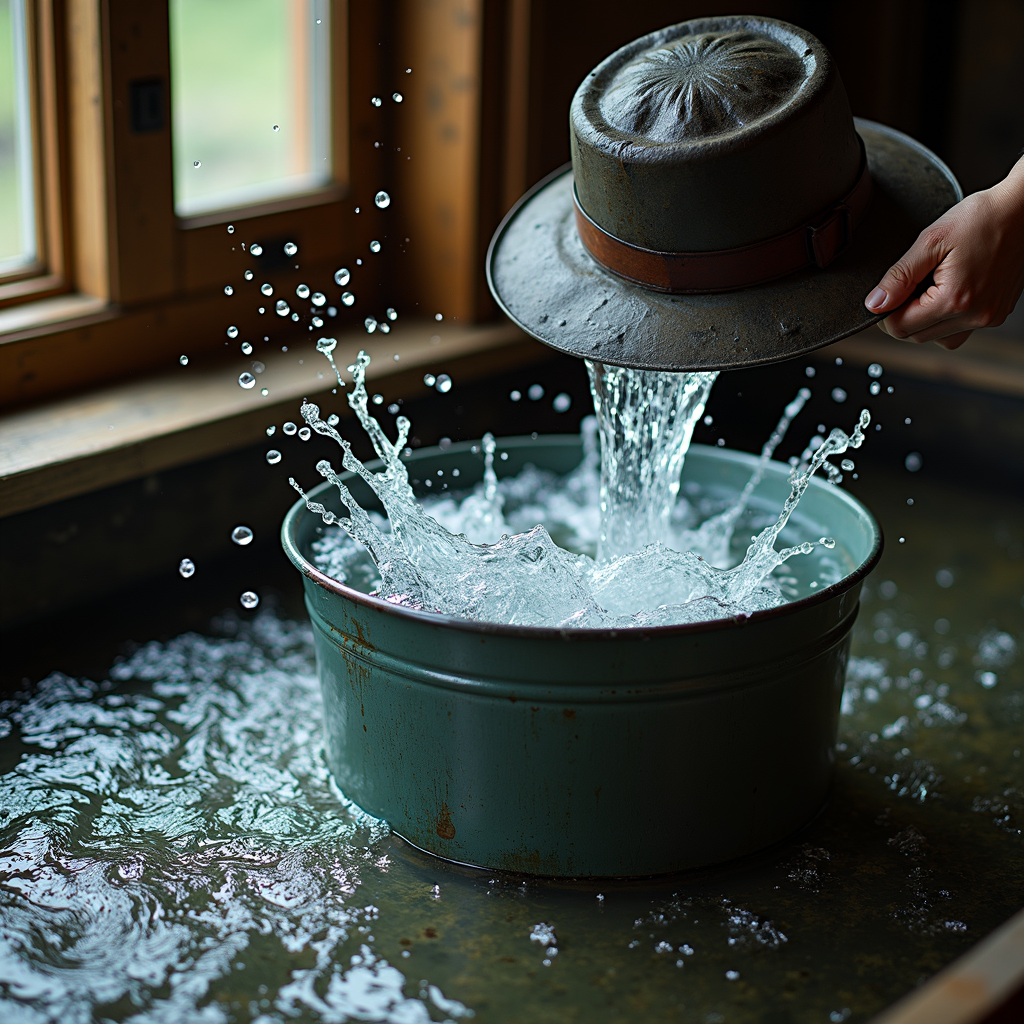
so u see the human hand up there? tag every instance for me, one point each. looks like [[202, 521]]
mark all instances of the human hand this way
[[975, 254]]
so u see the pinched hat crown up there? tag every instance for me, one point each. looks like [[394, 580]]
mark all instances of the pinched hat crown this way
[[714, 135]]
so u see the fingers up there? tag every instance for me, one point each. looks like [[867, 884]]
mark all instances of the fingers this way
[[900, 280], [946, 334]]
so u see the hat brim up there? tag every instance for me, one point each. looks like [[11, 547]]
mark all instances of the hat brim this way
[[554, 290]]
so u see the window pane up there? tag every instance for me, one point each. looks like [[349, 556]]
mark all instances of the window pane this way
[[250, 99], [17, 199]]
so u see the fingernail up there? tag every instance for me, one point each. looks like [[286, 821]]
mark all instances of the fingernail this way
[[876, 299]]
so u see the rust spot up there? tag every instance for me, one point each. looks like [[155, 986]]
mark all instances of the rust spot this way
[[362, 710], [365, 729], [445, 829], [431, 933], [405, 942], [569, 713], [508, 959]]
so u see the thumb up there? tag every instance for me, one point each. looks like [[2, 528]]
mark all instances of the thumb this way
[[907, 273]]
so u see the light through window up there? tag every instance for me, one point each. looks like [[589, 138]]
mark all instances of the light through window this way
[[250, 101], [17, 199]]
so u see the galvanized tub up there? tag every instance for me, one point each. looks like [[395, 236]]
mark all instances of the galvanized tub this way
[[586, 752]]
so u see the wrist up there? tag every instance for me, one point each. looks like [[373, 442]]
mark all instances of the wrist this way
[[1009, 193]]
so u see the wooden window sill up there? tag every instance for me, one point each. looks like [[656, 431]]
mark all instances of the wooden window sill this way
[[75, 445]]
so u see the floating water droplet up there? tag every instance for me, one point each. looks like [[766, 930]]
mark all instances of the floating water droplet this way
[[290, 248], [375, 246], [255, 249], [838, 395], [183, 360], [809, 371], [232, 331], [382, 200], [370, 324], [282, 308], [439, 316], [847, 465], [246, 349], [267, 289], [295, 317], [248, 275], [562, 402], [258, 367], [342, 277], [429, 379], [444, 383], [347, 298], [945, 578], [264, 392], [305, 433], [988, 679], [378, 399], [732, 975], [397, 97], [289, 428], [875, 370], [333, 419], [515, 396], [197, 163], [317, 298], [828, 542], [231, 229], [186, 567], [874, 387], [249, 599], [302, 291], [392, 313], [535, 392], [277, 127], [317, 322], [228, 290], [913, 462], [241, 535], [384, 327], [393, 408], [271, 430], [376, 101], [247, 380]]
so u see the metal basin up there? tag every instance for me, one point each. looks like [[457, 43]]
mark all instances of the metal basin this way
[[588, 752]]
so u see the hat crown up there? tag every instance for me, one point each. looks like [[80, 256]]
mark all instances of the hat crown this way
[[701, 86]]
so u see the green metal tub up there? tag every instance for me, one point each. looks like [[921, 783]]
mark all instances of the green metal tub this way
[[588, 752]]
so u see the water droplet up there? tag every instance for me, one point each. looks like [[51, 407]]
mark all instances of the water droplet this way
[[228, 290], [370, 324], [988, 679], [231, 229], [847, 465], [277, 127], [258, 367], [444, 383], [183, 360], [562, 402], [347, 298], [271, 430], [535, 392], [732, 975], [246, 349], [305, 433], [232, 331], [439, 316], [289, 428], [267, 288], [295, 317], [875, 370], [186, 567], [383, 200], [249, 599], [196, 163], [333, 419], [429, 379], [874, 387], [241, 535], [838, 395], [302, 291], [393, 408], [317, 322], [809, 371], [376, 101], [264, 392], [375, 246], [913, 462], [326, 345], [384, 327], [256, 249], [397, 97], [392, 313], [828, 542], [515, 396], [282, 308], [342, 277], [246, 380], [290, 248], [945, 578], [839, 360], [248, 275], [318, 298]]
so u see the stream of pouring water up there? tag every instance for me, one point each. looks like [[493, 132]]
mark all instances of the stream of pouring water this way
[[470, 562]]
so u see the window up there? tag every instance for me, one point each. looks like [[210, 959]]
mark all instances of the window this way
[[250, 101], [17, 192]]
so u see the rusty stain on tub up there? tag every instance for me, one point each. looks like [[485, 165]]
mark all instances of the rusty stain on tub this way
[[445, 829]]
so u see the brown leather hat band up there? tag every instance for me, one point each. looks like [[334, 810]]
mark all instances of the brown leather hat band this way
[[815, 243]]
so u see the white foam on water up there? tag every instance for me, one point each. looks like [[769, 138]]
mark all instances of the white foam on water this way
[[469, 560]]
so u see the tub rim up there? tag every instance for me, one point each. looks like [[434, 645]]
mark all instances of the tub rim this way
[[575, 633]]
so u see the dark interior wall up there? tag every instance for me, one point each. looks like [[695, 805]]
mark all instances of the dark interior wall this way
[[948, 72]]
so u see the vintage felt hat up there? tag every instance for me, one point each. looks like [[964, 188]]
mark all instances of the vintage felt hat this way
[[723, 207]]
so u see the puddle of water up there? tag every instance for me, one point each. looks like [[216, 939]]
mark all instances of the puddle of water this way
[[172, 846]]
